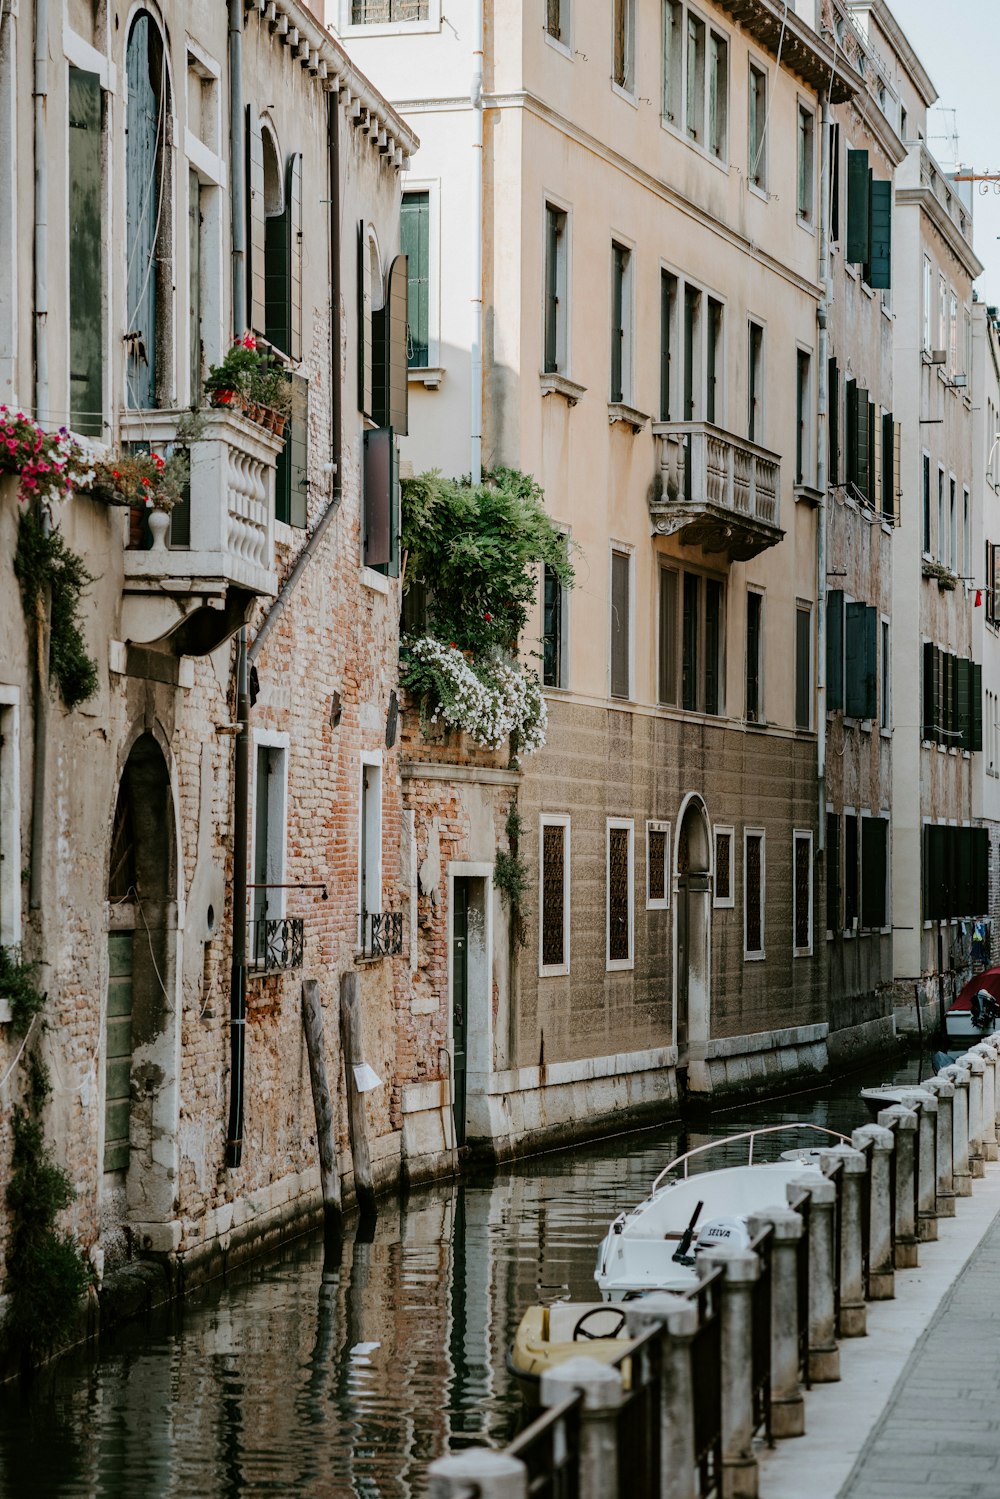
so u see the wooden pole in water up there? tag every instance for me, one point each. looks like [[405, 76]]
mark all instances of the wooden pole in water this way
[[312, 1023], [352, 1047]]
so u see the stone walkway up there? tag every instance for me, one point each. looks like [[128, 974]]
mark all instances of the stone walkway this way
[[917, 1409]]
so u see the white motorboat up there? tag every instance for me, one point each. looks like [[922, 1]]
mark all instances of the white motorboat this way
[[654, 1246]]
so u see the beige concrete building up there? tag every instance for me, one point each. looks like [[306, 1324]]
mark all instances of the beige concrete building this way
[[648, 234], [985, 585]]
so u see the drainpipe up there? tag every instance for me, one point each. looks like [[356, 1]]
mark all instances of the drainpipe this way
[[822, 465], [41, 400], [476, 409], [236, 171], [238, 986]]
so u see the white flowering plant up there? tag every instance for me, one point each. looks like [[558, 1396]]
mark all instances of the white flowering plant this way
[[489, 696]]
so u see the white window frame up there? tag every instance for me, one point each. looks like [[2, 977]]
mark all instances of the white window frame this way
[[613, 965], [757, 181], [389, 28], [759, 387], [559, 820], [429, 374], [803, 835], [928, 304], [677, 122], [10, 817], [271, 739], [761, 719], [369, 882], [724, 902], [565, 605], [628, 316], [624, 549], [564, 41], [659, 903], [564, 350], [628, 89], [885, 676], [806, 217], [755, 956]]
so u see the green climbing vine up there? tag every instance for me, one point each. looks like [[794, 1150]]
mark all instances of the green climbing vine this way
[[510, 876], [17, 984], [44, 561]]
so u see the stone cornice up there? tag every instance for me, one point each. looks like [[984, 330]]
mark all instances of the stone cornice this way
[[776, 27], [927, 199], [900, 43]]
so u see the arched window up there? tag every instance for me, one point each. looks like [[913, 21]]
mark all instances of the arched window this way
[[274, 207], [148, 227]]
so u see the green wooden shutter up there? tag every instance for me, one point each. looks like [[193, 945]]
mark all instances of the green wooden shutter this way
[[835, 648], [118, 1052], [975, 706], [871, 662], [886, 485], [878, 272], [873, 871], [858, 206], [551, 350], [832, 872], [277, 280], [980, 871], [365, 382], [833, 424], [851, 411], [964, 900], [291, 483], [858, 694], [863, 428], [834, 182], [414, 242], [256, 314], [962, 726], [389, 352], [927, 728], [144, 184], [86, 254], [293, 208], [381, 523], [935, 871]]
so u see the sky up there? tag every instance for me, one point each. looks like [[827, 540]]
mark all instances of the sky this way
[[953, 42]]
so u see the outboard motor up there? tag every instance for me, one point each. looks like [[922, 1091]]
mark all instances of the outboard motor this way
[[730, 1232]]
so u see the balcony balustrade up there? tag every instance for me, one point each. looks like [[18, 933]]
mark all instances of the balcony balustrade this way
[[717, 491]]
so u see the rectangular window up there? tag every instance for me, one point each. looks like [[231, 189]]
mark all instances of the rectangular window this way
[[10, 818], [85, 254], [941, 529], [832, 873], [952, 526], [692, 349], [554, 357], [195, 223], [834, 421], [885, 698], [724, 884], [657, 865], [621, 645], [806, 165], [689, 640], [553, 896], [415, 244], [713, 363], [928, 304], [834, 649], [753, 893], [755, 384], [802, 894], [966, 538], [757, 124], [621, 322], [861, 656], [890, 466], [874, 871], [620, 910], [381, 492], [673, 47], [268, 860], [557, 19], [712, 647], [952, 334], [623, 47], [850, 871], [383, 12], [718, 95], [694, 115], [291, 480], [926, 489], [754, 704], [668, 315], [803, 418], [803, 666], [668, 636], [553, 629], [370, 859]]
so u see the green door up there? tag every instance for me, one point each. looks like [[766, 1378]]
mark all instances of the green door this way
[[460, 999], [118, 1051]]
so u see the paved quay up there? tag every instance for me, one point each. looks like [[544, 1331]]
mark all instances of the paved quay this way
[[917, 1408]]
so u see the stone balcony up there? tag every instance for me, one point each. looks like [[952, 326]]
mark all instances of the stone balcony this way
[[218, 551], [716, 490]]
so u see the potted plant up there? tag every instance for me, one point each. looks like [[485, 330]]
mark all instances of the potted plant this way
[[272, 389], [230, 383]]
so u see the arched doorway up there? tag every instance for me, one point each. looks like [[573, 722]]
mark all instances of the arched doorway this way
[[141, 1031], [693, 938]]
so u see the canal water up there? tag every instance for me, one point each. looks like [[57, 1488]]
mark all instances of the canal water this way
[[344, 1374]]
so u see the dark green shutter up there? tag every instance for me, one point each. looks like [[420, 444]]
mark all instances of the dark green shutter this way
[[851, 411], [965, 892], [293, 208], [878, 272], [833, 424], [835, 648], [85, 257], [277, 279], [873, 871], [873, 477], [887, 476], [929, 716], [861, 682], [980, 872], [551, 351], [832, 872], [118, 1052], [975, 706], [389, 352], [364, 329], [871, 662], [256, 225], [863, 428], [834, 182], [381, 501], [858, 206], [291, 486], [935, 871], [414, 242], [962, 726]]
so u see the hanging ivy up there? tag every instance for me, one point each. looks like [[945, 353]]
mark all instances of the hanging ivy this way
[[511, 877], [17, 984], [44, 561]]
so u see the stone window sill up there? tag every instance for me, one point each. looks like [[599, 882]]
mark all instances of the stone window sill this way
[[618, 411], [554, 384], [429, 376]]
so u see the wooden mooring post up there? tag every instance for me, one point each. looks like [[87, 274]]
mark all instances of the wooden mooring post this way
[[312, 1023], [352, 1046]]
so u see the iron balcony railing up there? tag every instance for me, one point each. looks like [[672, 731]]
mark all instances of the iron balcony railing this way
[[381, 933], [278, 943]]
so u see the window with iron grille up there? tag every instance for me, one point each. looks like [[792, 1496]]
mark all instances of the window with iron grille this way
[[619, 894], [724, 887], [657, 865], [753, 893], [553, 902], [802, 890], [385, 12]]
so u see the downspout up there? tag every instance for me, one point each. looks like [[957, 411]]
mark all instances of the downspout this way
[[476, 371], [236, 172], [41, 401], [336, 389], [238, 986], [822, 464]]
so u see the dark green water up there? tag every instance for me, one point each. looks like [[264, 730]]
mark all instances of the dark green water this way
[[344, 1375]]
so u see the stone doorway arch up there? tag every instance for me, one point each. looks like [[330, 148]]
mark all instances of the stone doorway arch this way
[[692, 942]]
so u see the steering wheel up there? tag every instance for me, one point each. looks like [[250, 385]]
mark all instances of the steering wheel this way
[[580, 1333]]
